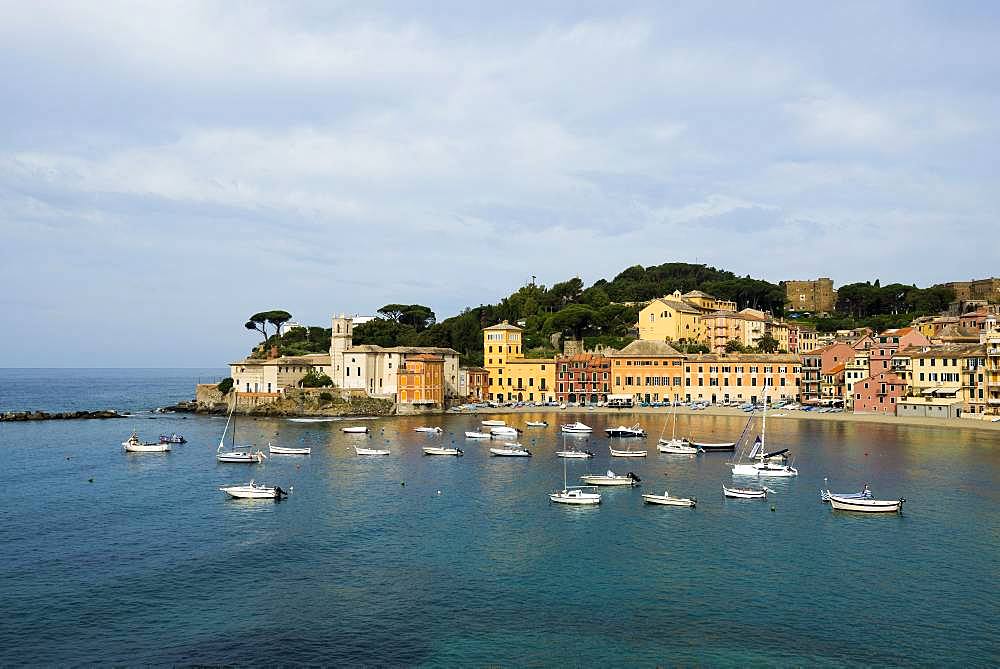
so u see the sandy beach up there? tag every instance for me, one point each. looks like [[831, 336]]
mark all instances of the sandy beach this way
[[777, 414]]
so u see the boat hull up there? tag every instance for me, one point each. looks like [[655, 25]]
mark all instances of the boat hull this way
[[627, 454], [371, 451], [866, 505], [354, 430], [743, 493], [282, 450], [510, 452], [477, 435], [574, 454], [714, 448], [239, 458], [147, 448], [442, 451], [607, 481], [664, 500], [584, 499]]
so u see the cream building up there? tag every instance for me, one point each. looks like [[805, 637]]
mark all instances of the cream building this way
[[855, 370], [273, 376], [946, 381], [669, 319], [741, 377], [720, 327]]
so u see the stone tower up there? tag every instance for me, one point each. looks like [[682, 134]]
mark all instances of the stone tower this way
[[341, 339]]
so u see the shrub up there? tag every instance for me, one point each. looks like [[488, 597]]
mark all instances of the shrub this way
[[325, 397], [314, 379], [225, 385]]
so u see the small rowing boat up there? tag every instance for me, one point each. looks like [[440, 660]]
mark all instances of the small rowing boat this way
[[864, 493], [428, 430], [442, 450], [536, 423], [371, 451], [355, 430], [284, 450], [745, 493], [477, 435], [666, 500], [866, 505]]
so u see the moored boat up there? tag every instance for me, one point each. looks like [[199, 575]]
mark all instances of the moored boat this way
[[576, 495], [627, 453], [428, 430], [371, 451], [677, 446], [745, 493], [254, 490], [503, 431], [576, 428], [311, 420], [360, 429], [442, 450], [172, 439], [236, 455], [715, 447], [574, 453], [610, 478], [510, 451], [477, 435], [666, 500], [536, 423], [285, 450], [866, 505], [492, 423], [135, 445], [864, 493], [622, 431]]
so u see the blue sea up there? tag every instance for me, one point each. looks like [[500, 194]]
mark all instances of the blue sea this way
[[412, 560]]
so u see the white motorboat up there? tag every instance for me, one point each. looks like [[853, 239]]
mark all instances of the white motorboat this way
[[236, 455], [576, 428], [775, 470], [135, 445], [622, 431], [371, 451], [361, 429], [627, 453], [678, 446], [511, 451], [428, 430], [745, 493], [536, 423], [284, 450], [311, 420], [254, 490], [492, 423], [477, 435], [574, 453], [503, 432], [666, 500], [866, 505], [611, 478], [576, 495], [442, 450]]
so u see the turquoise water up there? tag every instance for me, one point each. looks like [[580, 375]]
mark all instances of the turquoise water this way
[[469, 564]]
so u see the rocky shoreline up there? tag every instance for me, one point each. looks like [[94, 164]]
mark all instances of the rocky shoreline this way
[[12, 416]]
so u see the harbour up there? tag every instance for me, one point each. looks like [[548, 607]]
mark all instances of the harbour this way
[[406, 559]]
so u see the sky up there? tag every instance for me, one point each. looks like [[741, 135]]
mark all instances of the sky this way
[[169, 168]]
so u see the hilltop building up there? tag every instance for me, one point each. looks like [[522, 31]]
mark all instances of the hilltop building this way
[[815, 296]]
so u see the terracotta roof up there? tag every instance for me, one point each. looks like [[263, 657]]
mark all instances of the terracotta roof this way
[[309, 359], [746, 357], [645, 348], [675, 305], [949, 351]]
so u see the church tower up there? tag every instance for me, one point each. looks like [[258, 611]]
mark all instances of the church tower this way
[[341, 339]]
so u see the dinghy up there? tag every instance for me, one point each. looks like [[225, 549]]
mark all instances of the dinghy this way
[[536, 423], [574, 453], [371, 451], [284, 450], [477, 435], [492, 423], [628, 453], [442, 450], [428, 430], [866, 505], [611, 478], [504, 431], [745, 493], [511, 451], [666, 500], [721, 447], [172, 439], [134, 445], [254, 490], [355, 430]]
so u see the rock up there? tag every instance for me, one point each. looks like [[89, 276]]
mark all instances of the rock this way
[[59, 415]]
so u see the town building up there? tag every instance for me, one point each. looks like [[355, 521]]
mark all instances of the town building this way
[[888, 342], [271, 377], [984, 290], [856, 369], [991, 342], [820, 362], [831, 388], [816, 296], [780, 331], [512, 377], [802, 339], [880, 394], [718, 328], [669, 319], [421, 381], [475, 384], [583, 378], [648, 371], [947, 381], [741, 377]]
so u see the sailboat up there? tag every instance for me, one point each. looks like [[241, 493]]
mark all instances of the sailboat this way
[[235, 455], [765, 464], [674, 445], [576, 494]]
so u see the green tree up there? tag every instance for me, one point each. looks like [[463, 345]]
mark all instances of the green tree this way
[[314, 379], [225, 385], [767, 344], [734, 346]]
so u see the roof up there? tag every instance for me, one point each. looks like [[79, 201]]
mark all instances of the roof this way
[[309, 359], [416, 350], [646, 348], [697, 293], [745, 357], [531, 361], [505, 325], [676, 305], [896, 332], [950, 351], [836, 369]]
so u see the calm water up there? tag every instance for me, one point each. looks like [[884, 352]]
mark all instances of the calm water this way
[[150, 564]]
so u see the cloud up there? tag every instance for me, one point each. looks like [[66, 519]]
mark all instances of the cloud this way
[[213, 160]]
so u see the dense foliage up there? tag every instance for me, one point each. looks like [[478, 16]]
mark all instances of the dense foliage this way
[[861, 300], [314, 379], [225, 385]]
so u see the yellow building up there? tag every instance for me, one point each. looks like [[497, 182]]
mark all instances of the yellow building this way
[[706, 302], [648, 371], [780, 331], [946, 381], [669, 319], [514, 378], [741, 377], [421, 381], [991, 381]]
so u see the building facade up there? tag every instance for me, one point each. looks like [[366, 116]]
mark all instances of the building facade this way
[[856, 369], [648, 371], [952, 376], [741, 377], [880, 394], [887, 343], [421, 381], [584, 378], [512, 377], [273, 376]]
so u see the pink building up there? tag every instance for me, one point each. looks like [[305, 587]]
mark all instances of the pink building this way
[[879, 393], [888, 342], [820, 362]]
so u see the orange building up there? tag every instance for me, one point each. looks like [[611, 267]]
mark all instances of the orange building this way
[[421, 381], [741, 377], [478, 385]]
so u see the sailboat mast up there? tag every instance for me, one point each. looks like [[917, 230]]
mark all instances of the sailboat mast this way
[[763, 427]]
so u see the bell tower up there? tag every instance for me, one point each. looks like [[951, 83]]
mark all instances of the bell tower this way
[[341, 339]]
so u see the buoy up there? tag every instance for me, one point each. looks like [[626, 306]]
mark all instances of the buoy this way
[[402, 483], [439, 492], [772, 508], [90, 480]]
